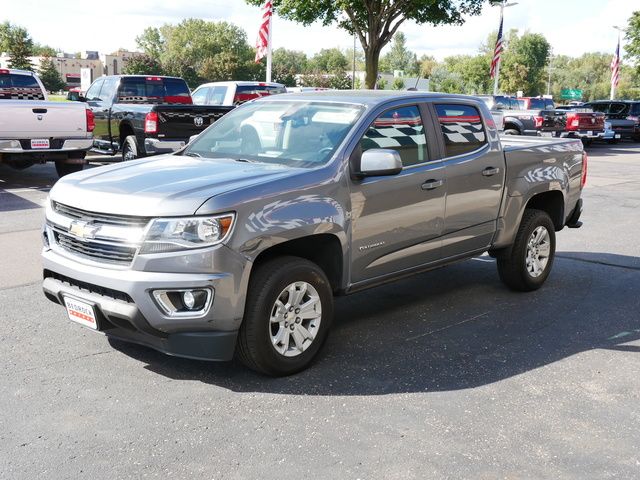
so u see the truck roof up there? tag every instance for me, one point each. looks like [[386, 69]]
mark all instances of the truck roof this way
[[362, 97]]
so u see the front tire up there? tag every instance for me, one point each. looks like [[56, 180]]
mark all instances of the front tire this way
[[526, 265], [288, 314], [511, 131]]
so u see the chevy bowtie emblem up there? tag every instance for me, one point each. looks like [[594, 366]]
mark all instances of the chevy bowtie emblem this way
[[83, 230]]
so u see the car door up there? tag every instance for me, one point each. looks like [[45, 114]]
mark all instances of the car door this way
[[95, 104], [397, 219], [475, 172]]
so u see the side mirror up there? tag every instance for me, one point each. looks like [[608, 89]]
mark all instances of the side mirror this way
[[380, 161]]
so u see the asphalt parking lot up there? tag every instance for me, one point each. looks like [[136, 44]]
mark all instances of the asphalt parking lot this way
[[443, 375]]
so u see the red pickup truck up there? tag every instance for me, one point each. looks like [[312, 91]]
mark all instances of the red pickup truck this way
[[583, 123]]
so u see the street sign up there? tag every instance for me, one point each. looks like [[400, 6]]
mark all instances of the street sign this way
[[571, 94]]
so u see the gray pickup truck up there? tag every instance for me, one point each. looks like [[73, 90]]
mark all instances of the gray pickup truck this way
[[238, 243]]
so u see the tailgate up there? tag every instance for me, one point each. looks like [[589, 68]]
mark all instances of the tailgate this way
[[183, 121], [23, 119], [553, 120], [590, 121]]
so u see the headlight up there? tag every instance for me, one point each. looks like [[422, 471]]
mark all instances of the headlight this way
[[175, 234]]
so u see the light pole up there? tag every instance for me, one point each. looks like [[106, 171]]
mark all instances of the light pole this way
[[503, 5], [353, 78], [613, 85]]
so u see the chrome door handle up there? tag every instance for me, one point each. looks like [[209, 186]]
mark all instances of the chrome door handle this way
[[489, 171], [432, 184]]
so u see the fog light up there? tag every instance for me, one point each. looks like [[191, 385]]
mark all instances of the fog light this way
[[188, 303], [188, 299]]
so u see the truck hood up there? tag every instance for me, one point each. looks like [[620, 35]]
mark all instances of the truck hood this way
[[168, 185]]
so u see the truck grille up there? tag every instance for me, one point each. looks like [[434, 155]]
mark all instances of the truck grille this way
[[92, 245], [111, 253], [101, 218]]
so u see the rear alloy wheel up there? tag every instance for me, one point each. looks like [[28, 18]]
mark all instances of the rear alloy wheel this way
[[287, 317], [527, 264], [511, 131], [130, 149]]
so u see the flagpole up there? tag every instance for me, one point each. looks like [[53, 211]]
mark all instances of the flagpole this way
[[269, 48]]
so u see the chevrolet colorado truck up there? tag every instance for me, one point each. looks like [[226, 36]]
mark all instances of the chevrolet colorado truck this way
[[138, 115], [34, 130], [238, 243]]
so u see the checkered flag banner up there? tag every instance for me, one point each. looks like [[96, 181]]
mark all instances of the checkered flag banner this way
[[16, 93], [394, 135]]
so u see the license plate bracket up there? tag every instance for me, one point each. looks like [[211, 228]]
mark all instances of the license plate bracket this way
[[40, 143], [81, 312]]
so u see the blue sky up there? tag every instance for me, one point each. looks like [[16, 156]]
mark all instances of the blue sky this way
[[571, 26]]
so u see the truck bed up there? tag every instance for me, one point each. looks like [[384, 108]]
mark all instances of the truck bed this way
[[513, 143]]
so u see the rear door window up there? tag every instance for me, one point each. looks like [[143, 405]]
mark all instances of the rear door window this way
[[218, 95], [536, 104], [635, 109], [399, 129], [19, 87], [462, 129]]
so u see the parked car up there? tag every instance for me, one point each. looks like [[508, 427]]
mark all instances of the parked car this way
[[525, 122], [234, 93], [140, 115], [34, 130], [624, 116], [239, 242]]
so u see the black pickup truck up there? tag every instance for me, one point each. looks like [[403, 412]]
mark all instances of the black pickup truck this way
[[141, 115]]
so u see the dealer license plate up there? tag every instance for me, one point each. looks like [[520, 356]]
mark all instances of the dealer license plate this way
[[39, 143], [618, 135], [81, 312], [590, 133]]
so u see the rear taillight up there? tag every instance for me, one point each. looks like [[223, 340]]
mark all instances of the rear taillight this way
[[4, 71], [91, 120], [573, 121], [585, 159], [151, 123], [538, 121]]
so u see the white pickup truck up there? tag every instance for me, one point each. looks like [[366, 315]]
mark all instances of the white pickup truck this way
[[34, 130]]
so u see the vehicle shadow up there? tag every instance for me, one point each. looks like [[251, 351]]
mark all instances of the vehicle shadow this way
[[449, 329]]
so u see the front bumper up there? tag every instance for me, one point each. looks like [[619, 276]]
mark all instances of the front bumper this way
[[154, 145], [125, 307]]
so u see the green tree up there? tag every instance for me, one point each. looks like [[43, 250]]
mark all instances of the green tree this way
[[287, 64], [427, 64], [151, 43], [18, 45], [398, 84], [43, 50], [473, 72], [374, 21], [633, 39], [50, 76], [142, 65], [329, 60], [400, 57], [443, 80]]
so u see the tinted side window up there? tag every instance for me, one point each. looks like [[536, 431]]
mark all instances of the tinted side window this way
[[399, 129], [108, 90], [462, 129], [635, 109], [94, 90], [536, 103]]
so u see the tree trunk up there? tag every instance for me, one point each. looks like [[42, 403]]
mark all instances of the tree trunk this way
[[372, 57]]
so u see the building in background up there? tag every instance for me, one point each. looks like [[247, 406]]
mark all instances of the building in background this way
[[70, 66]]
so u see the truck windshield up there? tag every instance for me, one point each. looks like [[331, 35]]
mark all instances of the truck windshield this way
[[19, 87], [294, 133]]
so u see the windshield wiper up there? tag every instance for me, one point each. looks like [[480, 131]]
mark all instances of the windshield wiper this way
[[246, 160], [192, 154]]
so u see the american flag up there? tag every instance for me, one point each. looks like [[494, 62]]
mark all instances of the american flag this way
[[262, 43], [615, 67], [497, 51]]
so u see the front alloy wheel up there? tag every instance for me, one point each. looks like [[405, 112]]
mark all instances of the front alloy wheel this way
[[295, 319]]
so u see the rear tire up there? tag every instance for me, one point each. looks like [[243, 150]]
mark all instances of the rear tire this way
[[287, 297], [526, 265], [511, 131], [66, 168], [130, 149]]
